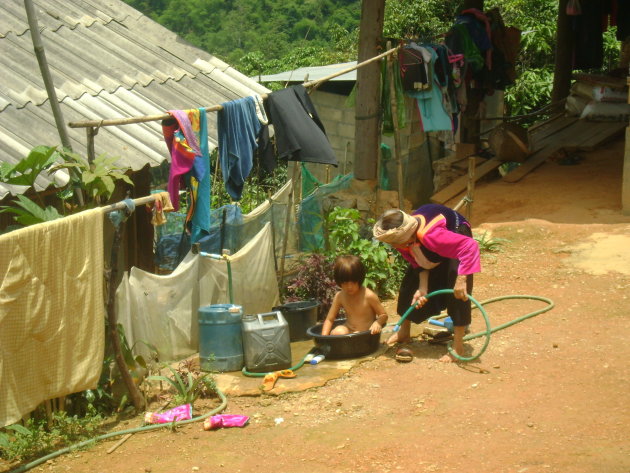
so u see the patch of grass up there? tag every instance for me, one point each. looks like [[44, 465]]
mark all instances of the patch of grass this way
[[36, 438], [487, 244], [188, 382]]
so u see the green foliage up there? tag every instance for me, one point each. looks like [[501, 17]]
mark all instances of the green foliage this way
[[423, 20], [258, 188], [345, 234], [29, 213], [26, 171], [37, 438], [530, 92], [313, 281], [277, 30], [189, 383], [489, 244], [97, 180]]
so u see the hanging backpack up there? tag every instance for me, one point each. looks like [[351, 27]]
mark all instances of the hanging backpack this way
[[413, 70]]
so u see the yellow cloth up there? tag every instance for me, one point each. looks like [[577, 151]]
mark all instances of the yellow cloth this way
[[51, 311]]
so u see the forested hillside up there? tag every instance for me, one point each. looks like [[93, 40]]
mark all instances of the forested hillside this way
[[269, 36], [254, 34]]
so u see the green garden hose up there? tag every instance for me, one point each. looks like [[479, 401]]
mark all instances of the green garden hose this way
[[262, 375], [489, 330], [92, 441]]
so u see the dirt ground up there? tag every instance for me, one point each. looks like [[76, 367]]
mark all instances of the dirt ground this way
[[549, 395]]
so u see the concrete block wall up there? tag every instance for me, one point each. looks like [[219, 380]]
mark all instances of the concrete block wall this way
[[338, 119]]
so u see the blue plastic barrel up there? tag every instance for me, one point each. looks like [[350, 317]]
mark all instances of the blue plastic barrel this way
[[220, 337]]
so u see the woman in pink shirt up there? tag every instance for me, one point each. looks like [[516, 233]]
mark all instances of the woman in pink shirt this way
[[442, 254]]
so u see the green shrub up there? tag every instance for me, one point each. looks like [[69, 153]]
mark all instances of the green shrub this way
[[37, 438], [346, 234]]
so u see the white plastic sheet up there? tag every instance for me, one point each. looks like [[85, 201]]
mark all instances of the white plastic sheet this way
[[162, 310]]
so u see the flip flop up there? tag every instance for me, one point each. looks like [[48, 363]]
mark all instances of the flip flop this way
[[286, 374], [269, 381], [441, 337], [404, 355]]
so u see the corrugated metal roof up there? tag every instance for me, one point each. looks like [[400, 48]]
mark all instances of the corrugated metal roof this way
[[107, 61], [313, 73]]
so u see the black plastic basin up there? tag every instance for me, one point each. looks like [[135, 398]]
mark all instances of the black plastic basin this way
[[353, 345]]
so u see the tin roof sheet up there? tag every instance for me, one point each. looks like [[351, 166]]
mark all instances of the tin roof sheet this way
[[107, 61]]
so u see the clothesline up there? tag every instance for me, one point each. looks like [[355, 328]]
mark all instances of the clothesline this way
[[214, 108]]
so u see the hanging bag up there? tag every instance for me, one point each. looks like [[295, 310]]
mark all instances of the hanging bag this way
[[413, 71]]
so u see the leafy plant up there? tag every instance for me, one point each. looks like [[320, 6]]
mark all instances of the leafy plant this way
[[97, 178], [489, 244], [346, 235], [37, 438], [29, 213], [314, 280], [189, 384], [258, 188]]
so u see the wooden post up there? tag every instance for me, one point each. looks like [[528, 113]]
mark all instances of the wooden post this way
[[49, 418], [91, 132], [367, 117], [397, 152], [134, 392], [287, 221], [273, 232], [471, 186], [564, 47]]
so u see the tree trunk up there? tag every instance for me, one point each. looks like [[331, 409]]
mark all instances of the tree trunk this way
[[367, 111]]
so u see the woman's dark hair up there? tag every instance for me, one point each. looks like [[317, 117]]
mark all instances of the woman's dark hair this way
[[348, 268], [392, 218]]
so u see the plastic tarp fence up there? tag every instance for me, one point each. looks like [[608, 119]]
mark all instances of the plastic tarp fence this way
[[311, 216], [230, 229], [161, 310]]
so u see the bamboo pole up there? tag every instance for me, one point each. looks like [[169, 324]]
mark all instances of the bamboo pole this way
[[120, 442], [40, 53], [394, 107], [352, 68], [213, 108]]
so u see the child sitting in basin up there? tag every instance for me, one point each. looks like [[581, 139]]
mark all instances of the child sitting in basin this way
[[363, 308]]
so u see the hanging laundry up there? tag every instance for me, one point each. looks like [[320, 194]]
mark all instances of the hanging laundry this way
[[160, 207], [265, 153], [237, 126], [506, 43], [430, 102], [415, 68], [479, 31], [186, 137], [386, 102], [300, 134], [52, 334], [459, 41], [588, 41]]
